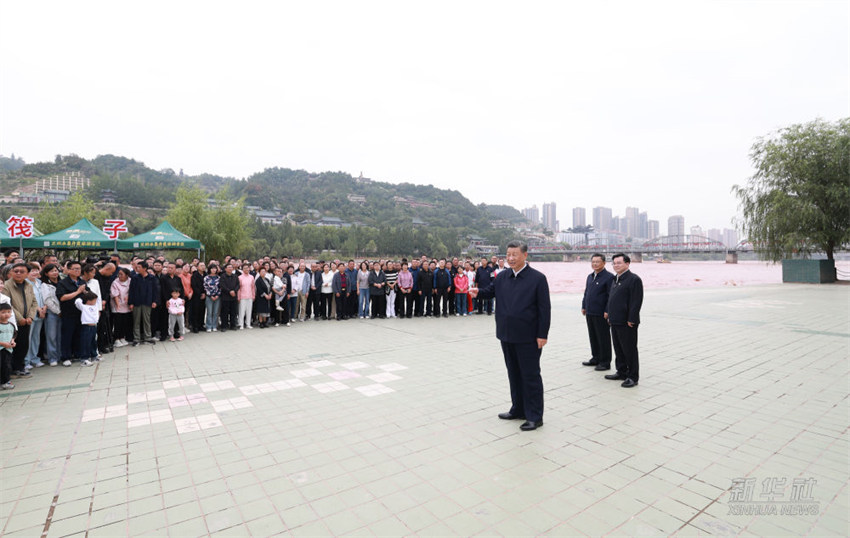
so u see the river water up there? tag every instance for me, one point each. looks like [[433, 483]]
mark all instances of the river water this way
[[569, 277]]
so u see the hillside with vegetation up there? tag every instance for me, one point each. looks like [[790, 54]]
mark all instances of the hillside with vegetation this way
[[378, 218]]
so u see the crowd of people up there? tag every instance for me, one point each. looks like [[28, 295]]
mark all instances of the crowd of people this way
[[73, 311]]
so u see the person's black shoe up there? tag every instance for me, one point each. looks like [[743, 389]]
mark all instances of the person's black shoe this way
[[628, 383], [591, 362], [134, 343], [615, 377], [529, 425], [602, 367], [510, 416]]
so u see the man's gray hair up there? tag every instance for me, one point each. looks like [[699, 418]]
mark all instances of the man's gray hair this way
[[521, 245]]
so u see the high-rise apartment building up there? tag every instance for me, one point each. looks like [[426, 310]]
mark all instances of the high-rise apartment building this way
[[531, 214], [676, 225], [550, 219], [653, 229], [730, 238], [632, 221], [643, 229], [697, 230], [602, 219], [579, 217], [714, 234]]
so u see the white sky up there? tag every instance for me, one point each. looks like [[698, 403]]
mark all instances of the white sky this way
[[647, 104]]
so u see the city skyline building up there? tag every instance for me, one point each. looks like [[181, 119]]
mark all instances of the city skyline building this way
[[730, 238], [635, 224], [676, 225], [550, 218], [653, 229], [715, 235], [602, 217], [532, 214], [632, 222], [579, 217]]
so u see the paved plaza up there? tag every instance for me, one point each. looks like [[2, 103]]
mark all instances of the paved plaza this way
[[388, 428]]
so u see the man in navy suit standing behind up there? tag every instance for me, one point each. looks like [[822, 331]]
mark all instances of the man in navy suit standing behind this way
[[522, 326], [594, 304]]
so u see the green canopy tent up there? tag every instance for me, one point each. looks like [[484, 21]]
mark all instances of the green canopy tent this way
[[163, 237], [81, 236]]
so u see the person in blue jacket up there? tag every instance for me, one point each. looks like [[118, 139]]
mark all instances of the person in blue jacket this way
[[143, 296], [522, 327]]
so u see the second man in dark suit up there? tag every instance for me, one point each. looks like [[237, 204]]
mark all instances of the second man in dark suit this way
[[623, 313]]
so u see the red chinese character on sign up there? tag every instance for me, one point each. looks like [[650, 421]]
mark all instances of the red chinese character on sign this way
[[19, 226], [115, 227]]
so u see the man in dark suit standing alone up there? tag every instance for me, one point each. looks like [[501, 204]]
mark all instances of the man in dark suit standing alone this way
[[623, 315], [522, 326], [593, 306]]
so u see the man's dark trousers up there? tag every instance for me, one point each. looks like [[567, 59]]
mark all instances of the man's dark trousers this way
[[69, 341], [441, 303], [351, 305], [625, 348], [600, 339], [311, 304], [22, 347], [523, 364], [228, 314]]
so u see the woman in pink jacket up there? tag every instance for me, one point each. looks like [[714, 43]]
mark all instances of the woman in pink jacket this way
[[247, 292], [461, 288]]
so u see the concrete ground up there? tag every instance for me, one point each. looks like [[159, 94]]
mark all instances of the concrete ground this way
[[739, 427]]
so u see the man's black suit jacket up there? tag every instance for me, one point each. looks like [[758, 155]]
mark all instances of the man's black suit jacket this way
[[523, 309], [625, 299]]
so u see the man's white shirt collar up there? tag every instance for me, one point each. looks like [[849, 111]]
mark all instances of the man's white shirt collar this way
[[520, 270]]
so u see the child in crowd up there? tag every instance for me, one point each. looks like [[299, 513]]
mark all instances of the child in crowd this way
[[176, 306], [87, 304], [7, 344], [461, 288]]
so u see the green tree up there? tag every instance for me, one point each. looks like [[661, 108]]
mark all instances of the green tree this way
[[349, 247], [297, 249], [52, 218], [798, 200], [439, 250], [222, 230]]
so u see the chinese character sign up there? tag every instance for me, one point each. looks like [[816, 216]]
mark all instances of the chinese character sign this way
[[19, 226], [115, 227]]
